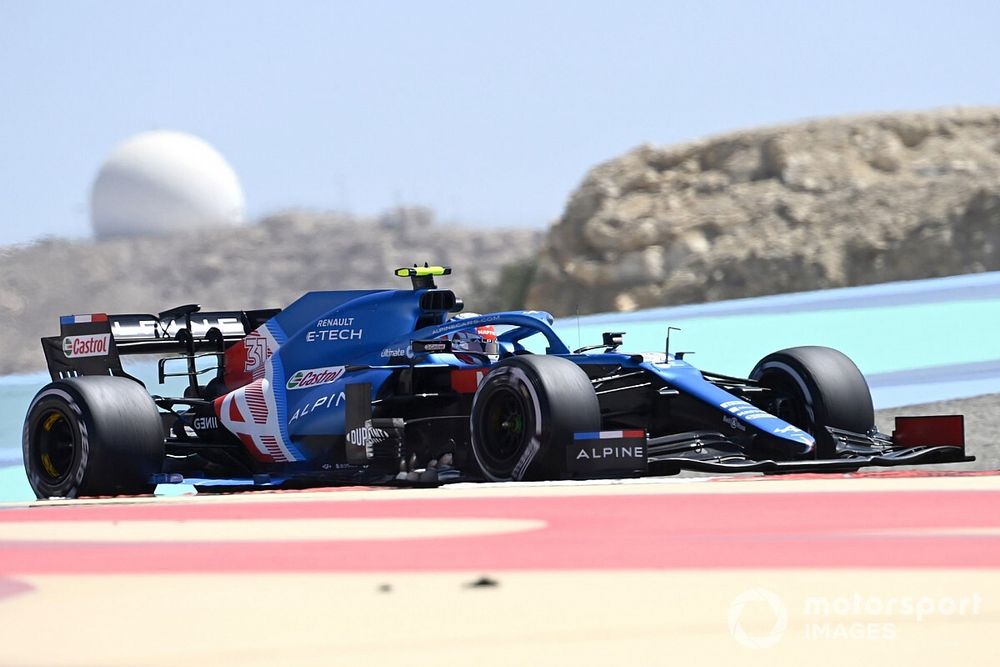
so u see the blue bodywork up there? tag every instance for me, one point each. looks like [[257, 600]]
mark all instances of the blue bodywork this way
[[367, 333]]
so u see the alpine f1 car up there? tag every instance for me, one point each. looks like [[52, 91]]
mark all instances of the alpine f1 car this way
[[399, 386]]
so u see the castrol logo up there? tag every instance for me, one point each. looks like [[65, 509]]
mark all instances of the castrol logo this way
[[314, 377], [94, 345]]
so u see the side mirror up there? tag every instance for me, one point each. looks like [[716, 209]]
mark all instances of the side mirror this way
[[613, 339]]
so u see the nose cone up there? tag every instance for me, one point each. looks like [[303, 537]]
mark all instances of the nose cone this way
[[794, 441]]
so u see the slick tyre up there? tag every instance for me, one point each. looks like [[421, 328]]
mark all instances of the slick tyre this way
[[818, 387], [524, 415], [92, 436]]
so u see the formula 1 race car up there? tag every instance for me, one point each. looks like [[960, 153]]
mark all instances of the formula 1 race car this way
[[399, 386]]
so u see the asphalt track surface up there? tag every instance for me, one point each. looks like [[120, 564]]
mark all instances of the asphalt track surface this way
[[885, 568]]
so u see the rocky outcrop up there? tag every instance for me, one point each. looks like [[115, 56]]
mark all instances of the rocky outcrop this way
[[268, 264], [819, 204]]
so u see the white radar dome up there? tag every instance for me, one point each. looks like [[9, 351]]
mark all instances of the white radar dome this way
[[160, 182]]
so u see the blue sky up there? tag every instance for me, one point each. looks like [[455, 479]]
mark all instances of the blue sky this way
[[489, 112]]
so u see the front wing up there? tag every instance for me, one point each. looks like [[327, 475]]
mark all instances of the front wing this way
[[915, 441]]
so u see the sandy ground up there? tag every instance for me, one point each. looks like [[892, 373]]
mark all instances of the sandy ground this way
[[982, 426], [580, 619]]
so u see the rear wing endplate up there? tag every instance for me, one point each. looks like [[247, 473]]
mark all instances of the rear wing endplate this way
[[92, 344]]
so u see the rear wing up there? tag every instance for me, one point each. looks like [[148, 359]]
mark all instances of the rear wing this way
[[92, 344]]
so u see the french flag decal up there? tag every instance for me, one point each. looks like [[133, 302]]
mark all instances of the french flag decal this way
[[609, 435], [605, 453], [83, 319]]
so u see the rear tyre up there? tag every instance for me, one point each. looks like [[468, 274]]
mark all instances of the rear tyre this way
[[92, 436], [525, 413], [816, 387]]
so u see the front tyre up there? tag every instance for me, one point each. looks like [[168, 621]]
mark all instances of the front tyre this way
[[816, 387], [525, 413], [92, 436]]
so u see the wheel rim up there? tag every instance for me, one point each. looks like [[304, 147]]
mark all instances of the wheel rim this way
[[789, 405], [56, 445], [506, 428]]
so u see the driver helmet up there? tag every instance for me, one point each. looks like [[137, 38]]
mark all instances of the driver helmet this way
[[481, 340]]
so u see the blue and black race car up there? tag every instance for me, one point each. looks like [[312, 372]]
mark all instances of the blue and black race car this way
[[400, 386]]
